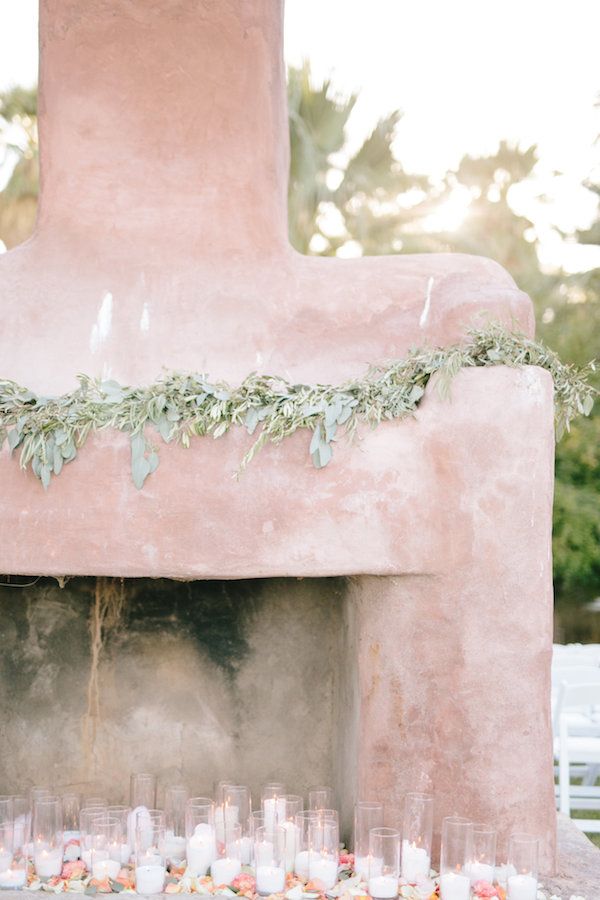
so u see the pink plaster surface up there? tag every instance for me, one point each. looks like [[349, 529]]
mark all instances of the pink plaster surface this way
[[454, 656], [406, 498], [161, 242]]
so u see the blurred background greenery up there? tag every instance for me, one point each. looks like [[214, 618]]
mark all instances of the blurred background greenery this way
[[363, 202]]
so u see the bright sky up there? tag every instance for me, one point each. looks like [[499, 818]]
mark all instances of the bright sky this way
[[466, 73]]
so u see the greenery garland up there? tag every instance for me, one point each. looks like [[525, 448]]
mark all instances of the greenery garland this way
[[49, 430]]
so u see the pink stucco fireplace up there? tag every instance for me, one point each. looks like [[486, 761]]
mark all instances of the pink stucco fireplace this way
[[161, 243]]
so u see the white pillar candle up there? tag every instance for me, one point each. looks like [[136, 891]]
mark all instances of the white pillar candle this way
[[415, 862], [455, 886], [274, 812], [48, 863], [368, 866], [264, 853], [150, 879], [323, 869], [173, 847], [21, 830], [13, 878], [522, 887], [301, 864], [479, 871], [6, 859], [224, 817], [105, 868], [86, 856], [383, 886], [125, 853], [139, 819], [270, 879], [201, 849], [246, 850], [224, 870]]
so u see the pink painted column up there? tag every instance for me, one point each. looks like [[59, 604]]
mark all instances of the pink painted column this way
[[453, 664]]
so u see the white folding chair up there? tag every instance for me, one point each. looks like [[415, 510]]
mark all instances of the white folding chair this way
[[576, 655], [573, 749], [583, 720]]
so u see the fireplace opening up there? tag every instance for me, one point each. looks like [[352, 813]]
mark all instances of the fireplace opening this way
[[195, 681]]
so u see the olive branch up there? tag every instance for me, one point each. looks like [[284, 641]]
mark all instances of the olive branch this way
[[178, 406]]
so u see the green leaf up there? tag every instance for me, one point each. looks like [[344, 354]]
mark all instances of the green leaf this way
[[164, 427], [251, 420], [14, 439], [321, 455], [57, 462], [68, 450], [140, 469], [332, 412], [316, 439]]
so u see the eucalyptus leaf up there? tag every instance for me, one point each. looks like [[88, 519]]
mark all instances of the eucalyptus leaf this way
[[14, 439], [140, 469], [50, 430]]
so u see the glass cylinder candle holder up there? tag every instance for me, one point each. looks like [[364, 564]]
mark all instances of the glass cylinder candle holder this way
[[417, 833], [218, 787], [325, 814], [384, 845], [455, 883], [122, 814], [95, 801], [71, 806], [36, 793], [481, 862], [272, 789], [293, 806], [86, 819], [323, 852], [13, 855], [142, 790], [237, 796], [150, 867], [367, 814], [176, 797], [302, 822], [269, 859], [273, 804], [148, 821], [22, 822], [201, 841], [6, 837], [47, 836], [522, 882], [227, 864], [320, 798], [106, 848], [226, 815]]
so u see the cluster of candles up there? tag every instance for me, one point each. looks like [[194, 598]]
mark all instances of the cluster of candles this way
[[219, 836], [468, 853]]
